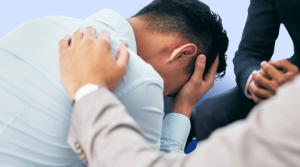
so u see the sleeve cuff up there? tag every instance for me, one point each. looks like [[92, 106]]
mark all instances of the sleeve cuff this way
[[176, 127], [247, 94], [85, 90]]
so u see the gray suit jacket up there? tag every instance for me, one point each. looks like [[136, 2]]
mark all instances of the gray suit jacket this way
[[105, 135]]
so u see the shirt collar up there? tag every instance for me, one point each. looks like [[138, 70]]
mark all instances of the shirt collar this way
[[116, 22]]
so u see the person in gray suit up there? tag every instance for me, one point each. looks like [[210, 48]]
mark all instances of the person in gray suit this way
[[104, 134]]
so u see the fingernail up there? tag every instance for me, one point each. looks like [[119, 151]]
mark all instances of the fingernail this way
[[126, 45], [262, 63], [105, 33], [202, 58], [67, 38], [80, 30]]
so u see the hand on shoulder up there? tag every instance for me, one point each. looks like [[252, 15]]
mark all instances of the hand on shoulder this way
[[87, 59]]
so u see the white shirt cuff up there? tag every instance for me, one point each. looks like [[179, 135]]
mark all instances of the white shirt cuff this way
[[176, 127], [85, 90], [247, 94]]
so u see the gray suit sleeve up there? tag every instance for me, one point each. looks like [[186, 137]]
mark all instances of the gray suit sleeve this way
[[268, 137]]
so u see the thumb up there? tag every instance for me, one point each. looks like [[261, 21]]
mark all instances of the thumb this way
[[210, 75], [282, 64], [199, 68], [123, 56]]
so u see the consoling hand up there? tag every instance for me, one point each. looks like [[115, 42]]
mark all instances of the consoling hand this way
[[261, 87], [90, 60], [266, 82], [279, 77], [195, 88]]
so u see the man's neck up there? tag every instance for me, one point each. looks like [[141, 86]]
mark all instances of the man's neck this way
[[140, 33]]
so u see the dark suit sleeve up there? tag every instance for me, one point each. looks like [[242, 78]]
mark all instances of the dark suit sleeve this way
[[258, 40]]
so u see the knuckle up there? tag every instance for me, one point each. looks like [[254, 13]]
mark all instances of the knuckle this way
[[254, 99], [194, 82], [254, 90], [267, 66], [125, 69], [87, 41], [104, 43], [254, 76], [266, 94], [201, 67], [62, 55], [296, 69], [77, 33], [122, 69], [273, 87], [258, 78], [122, 66], [280, 80], [269, 94], [90, 28], [212, 84], [62, 41]]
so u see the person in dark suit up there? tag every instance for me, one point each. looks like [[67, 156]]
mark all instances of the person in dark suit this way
[[256, 47]]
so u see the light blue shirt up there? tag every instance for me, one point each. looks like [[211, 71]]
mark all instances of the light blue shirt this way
[[34, 107]]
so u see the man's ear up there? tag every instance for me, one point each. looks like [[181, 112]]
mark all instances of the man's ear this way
[[185, 51]]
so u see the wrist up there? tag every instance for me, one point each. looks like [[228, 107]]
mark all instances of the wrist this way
[[71, 91], [184, 109], [85, 90]]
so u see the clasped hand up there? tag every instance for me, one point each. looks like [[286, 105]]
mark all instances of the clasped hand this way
[[264, 83]]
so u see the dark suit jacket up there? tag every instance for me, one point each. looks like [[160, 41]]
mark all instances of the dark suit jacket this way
[[261, 32]]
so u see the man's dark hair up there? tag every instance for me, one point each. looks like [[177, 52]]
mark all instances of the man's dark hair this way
[[191, 20]]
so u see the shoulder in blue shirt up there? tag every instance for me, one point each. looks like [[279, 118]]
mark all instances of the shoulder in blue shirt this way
[[34, 108]]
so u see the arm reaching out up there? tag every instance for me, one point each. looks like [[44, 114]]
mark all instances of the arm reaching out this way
[[103, 133], [107, 136]]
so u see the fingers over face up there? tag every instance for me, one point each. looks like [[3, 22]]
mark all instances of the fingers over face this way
[[212, 71], [77, 36], [89, 33], [199, 69]]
